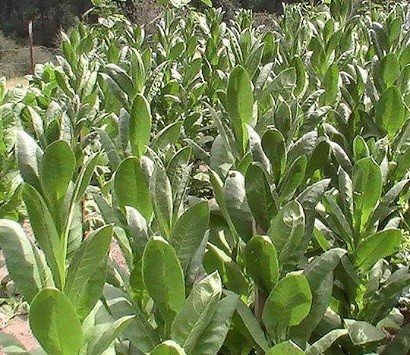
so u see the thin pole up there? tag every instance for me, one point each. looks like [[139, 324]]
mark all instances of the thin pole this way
[[30, 35]]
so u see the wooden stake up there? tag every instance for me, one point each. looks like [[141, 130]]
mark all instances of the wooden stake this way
[[30, 35]]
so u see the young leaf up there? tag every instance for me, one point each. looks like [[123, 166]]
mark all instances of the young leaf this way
[[25, 263], [56, 172], [139, 125], [288, 304], [163, 277], [106, 334], [261, 262], [188, 232], [161, 192], [54, 323], [197, 312], [131, 188], [367, 186], [239, 104], [168, 347], [213, 336], [288, 348], [259, 196], [86, 260]]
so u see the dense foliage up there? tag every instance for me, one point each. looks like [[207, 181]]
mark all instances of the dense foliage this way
[[256, 181]]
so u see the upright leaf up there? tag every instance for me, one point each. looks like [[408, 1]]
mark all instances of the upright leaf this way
[[86, 260], [56, 172], [139, 125], [367, 186], [163, 277], [188, 232], [197, 312], [54, 323], [131, 188]]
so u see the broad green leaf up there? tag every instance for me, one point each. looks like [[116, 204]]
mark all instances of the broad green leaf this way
[[325, 342], [197, 312], [239, 104], [54, 323], [46, 233], [367, 186], [389, 69], [320, 277], [56, 172], [105, 334], [168, 347], [91, 253], [287, 229], [261, 262], [362, 333], [163, 277], [287, 305], [274, 147], [288, 348], [139, 125], [188, 232], [29, 156], [259, 196], [25, 263], [376, 247], [131, 188], [390, 112], [331, 82], [237, 204], [214, 334], [161, 192], [292, 178]]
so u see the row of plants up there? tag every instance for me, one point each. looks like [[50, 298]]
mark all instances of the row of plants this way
[[255, 179]]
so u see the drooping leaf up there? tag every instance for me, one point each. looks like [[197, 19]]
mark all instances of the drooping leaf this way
[[25, 263], [362, 333], [325, 342], [54, 323]]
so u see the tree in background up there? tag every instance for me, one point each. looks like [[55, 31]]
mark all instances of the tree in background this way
[[49, 17]]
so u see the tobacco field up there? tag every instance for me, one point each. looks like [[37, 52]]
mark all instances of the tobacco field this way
[[255, 178]]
